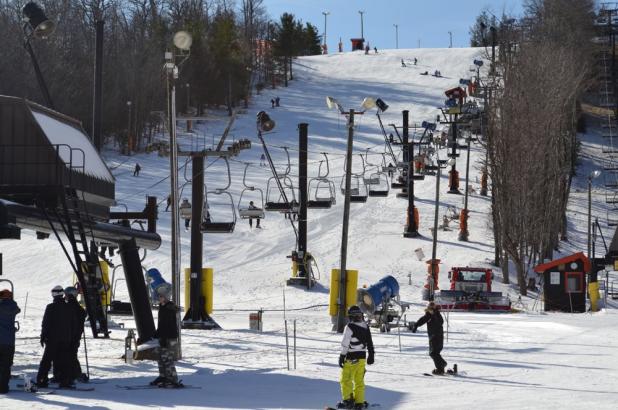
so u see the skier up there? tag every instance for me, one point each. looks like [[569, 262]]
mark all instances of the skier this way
[[78, 317], [390, 169], [185, 212], [415, 60], [375, 49], [272, 103], [254, 208], [354, 347], [167, 333], [277, 100], [137, 170], [434, 321], [367, 49], [263, 160], [56, 334], [8, 311], [403, 64]]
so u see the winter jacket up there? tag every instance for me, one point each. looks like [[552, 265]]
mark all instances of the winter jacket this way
[[57, 322], [356, 341], [167, 327], [8, 311], [78, 315], [434, 324]]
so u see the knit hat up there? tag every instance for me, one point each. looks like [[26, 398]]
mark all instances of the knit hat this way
[[6, 294], [57, 291], [165, 290]]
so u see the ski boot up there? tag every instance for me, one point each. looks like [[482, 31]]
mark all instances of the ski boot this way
[[437, 372], [168, 384], [361, 406], [346, 404], [158, 381], [83, 378]]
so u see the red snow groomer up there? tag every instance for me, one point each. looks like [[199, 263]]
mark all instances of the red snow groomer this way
[[471, 290]]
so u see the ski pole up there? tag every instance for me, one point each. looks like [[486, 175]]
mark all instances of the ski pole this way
[[26, 305], [86, 353], [287, 344]]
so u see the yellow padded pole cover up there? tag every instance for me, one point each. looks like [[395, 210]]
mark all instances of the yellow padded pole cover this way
[[350, 292]]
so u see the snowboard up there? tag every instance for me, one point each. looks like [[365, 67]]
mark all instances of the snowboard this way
[[52, 389], [449, 372], [372, 405], [149, 387], [38, 392]]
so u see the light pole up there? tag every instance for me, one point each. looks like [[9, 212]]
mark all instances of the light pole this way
[[326, 13], [594, 174], [441, 163], [396, 35], [450, 34], [463, 226], [368, 103], [362, 31]]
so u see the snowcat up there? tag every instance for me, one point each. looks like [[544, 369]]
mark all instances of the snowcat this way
[[471, 291]]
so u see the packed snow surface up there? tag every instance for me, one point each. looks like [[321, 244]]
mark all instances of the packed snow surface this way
[[526, 360]]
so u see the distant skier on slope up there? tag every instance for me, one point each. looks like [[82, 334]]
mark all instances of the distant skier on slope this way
[[434, 321], [354, 347], [167, 333]]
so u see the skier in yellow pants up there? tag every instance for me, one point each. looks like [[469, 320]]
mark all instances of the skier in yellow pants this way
[[354, 347]]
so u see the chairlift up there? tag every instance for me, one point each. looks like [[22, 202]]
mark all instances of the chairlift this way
[[381, 188], [323, 189], [374, 178], [358, 189], [207, 225], [275, 199], [244, 208]]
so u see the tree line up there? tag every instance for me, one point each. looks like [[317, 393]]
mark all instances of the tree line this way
[[544, 65], [236, 49]]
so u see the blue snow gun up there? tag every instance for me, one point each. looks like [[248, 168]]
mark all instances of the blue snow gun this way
[[478, 63], [378, 294], [430, 126]]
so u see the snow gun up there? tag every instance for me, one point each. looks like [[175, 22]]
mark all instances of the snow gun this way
[[381, 303]]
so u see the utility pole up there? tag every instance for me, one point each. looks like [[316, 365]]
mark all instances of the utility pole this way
[[463, 225], [304, 270], [396, 35], [326, 13], [450, 35], [341, 313], [362, 31]]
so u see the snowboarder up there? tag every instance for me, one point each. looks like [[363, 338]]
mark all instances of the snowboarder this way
[[375, 49], [185, 212], [277, 99], [78, 317], [169, 202], [272, 103], [167, 333], [137, 169], [403, 64], [8, 311], [255, 208], [354, 347], [434, 321], [263, 160], [367, 49], [56, 334], [415, 60]]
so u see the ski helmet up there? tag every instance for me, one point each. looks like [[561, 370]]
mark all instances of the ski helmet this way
[[355, 313], [165, 290], [57, 291], [6, 294], [70, 291]]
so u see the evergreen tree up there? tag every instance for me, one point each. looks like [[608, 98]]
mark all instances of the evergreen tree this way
[[312, 44], [479, 32]]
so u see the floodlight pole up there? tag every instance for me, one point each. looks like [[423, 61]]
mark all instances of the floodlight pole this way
[[411, 229], [341, 313], [39, 75], [463, 232], [326, 13], [362, 29], [396, 35], [175, 237]]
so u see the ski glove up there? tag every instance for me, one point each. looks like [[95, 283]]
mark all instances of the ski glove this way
[[370, 358], [341, 360], [414, 327]]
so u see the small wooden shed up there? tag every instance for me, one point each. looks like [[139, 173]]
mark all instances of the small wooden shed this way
[[564, 283], [358, 44]]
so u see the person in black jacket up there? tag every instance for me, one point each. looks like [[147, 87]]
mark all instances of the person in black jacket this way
[[434, 322], [167, 333], [8, 311], [355, 347], [56, 332], [78, 316]]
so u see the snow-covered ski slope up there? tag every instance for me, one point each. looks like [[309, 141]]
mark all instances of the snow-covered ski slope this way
[[527, 360]]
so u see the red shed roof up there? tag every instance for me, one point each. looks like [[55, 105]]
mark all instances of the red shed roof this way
[[579, 256]]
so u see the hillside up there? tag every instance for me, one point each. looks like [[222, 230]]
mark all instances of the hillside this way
[[524, 360]]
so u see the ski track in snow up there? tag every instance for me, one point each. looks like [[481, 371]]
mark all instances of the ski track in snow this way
[[529, 360]]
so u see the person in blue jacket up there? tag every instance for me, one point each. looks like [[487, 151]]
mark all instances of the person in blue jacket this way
[[8, 311]]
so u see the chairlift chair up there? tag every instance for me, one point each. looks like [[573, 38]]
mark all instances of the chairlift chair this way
[[323, 189], [207, 225], [382, 188], [244, 210], [275, 202], [374, 178]]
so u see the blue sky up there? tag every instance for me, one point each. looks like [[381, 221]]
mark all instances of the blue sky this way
[[426, 20]]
